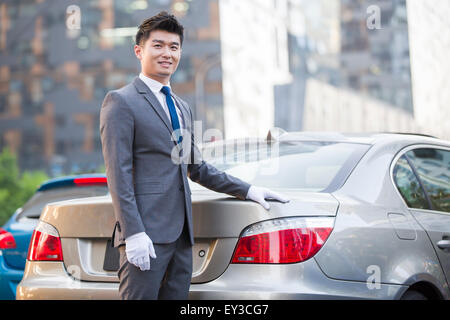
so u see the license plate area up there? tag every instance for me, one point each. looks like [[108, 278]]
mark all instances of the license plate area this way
[[201, 253]]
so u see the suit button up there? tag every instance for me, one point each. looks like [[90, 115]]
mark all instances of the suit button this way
[[181, 188]]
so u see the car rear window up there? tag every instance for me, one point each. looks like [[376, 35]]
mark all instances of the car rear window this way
[[33, 207], [307, 166]]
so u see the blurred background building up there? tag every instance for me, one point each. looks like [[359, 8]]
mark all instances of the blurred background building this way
[[360, 47], [248, 65], [59, 58], [429, 29]]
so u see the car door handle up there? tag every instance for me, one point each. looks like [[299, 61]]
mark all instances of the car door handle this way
[[444, 244]]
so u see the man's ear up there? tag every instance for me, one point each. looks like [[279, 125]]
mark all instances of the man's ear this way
[[138, 51]]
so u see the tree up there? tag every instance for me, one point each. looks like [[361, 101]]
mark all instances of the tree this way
[[15, 188]]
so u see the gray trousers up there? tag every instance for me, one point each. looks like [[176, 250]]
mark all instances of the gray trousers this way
[[169, 276]]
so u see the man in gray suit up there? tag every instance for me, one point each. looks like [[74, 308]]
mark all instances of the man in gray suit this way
[[142, 125]]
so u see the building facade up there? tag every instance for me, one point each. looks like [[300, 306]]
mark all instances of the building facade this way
[[246, 66], [429, 30], [58, 59]]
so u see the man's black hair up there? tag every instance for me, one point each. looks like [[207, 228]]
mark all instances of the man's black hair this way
[[161, 21]]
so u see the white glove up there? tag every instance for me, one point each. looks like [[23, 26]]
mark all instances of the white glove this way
[[259, 195], [139, 249]]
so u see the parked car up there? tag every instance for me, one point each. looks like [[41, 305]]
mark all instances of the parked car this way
[[15, 235], [368, 218]]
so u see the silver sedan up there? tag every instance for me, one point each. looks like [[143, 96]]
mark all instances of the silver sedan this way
[[368, 218]]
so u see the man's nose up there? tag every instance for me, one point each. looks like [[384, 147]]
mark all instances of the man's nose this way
[[166, 52]]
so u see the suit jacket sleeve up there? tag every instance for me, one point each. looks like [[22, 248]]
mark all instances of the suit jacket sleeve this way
[[210, 177], [117, 135]]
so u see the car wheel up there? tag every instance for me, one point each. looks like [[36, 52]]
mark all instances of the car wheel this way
[[413, 295]]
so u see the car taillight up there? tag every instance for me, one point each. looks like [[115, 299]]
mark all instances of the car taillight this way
[[285, 240], [90, 181], [45, 244], [6, 240]]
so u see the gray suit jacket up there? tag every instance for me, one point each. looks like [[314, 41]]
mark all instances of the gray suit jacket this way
[[150, 193]]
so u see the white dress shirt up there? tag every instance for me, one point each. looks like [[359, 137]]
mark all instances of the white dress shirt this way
[[156, 87]]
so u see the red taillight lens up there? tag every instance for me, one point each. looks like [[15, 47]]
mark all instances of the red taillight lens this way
[[287, 240], [6, 240], [89, 181], [45, 244]]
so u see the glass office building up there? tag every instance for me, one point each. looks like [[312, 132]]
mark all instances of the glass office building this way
[[59, 58], [246, 66]]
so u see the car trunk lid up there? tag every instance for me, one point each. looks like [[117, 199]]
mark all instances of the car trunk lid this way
[[85, 227]]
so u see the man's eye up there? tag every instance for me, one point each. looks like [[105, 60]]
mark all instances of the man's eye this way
[[157, 46], [174, 48]]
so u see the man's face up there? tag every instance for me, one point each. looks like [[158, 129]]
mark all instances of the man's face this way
[[159, 55]]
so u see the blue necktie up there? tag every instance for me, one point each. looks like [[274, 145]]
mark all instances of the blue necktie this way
[[173, 113]]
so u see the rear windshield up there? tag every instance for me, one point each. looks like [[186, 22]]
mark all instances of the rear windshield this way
[[307, 166], [33, 207]]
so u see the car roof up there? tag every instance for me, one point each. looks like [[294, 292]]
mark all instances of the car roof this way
[[370, 138], [81, 179], [366, 137]]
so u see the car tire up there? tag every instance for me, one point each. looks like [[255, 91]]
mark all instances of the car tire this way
[[413, 295]]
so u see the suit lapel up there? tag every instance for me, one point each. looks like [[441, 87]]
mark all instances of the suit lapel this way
[[150, 97]]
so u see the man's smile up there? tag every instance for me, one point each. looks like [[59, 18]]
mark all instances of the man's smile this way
[[165, 64]]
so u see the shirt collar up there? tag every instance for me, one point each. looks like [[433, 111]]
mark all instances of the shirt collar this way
[[154, 85]]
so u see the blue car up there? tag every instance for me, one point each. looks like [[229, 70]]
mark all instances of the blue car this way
[[15, 235]]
